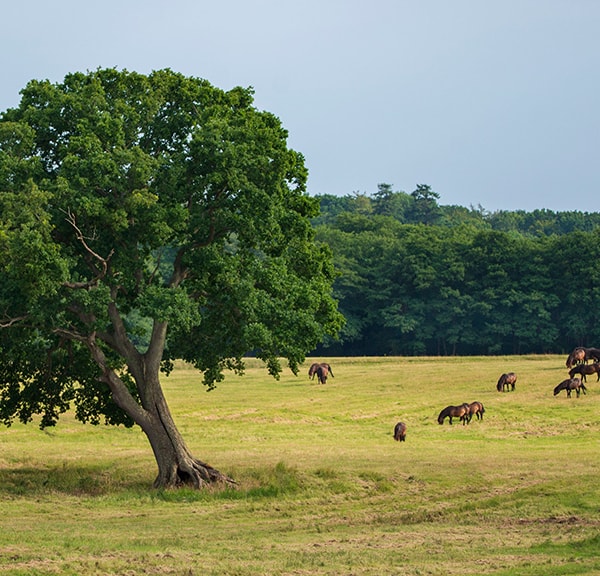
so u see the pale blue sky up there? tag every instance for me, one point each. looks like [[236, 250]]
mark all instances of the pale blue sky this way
[[490, 102]]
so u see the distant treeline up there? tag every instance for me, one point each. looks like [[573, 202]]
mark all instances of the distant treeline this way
[[419, 278]]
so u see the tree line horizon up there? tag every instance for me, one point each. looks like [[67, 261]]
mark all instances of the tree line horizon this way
[[419, 278]]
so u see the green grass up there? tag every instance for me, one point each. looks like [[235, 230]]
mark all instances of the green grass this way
[[322, 487]]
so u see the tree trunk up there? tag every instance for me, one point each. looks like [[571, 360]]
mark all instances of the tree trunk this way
[[176, 464]]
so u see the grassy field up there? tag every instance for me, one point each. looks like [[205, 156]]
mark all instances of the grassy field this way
[[322, 487]]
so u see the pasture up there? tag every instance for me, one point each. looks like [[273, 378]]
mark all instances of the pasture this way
[[322, 486]]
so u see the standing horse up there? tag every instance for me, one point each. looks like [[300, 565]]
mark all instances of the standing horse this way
[[585, 370], [569, 385], [400, 432], [461, 412], [476, 409], [312, 371], [508, 380]]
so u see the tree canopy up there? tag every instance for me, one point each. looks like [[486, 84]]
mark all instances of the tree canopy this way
[[420, 278], [144, 219]]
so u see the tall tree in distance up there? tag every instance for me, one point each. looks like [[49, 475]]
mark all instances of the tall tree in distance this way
[[390, 203], [145, 219], [425, 209]]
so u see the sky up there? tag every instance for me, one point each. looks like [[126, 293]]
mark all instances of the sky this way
[[495, 104]]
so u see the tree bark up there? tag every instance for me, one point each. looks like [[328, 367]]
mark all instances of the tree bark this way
[[176, 464]]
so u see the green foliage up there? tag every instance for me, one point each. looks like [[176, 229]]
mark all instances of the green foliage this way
[[460, 281], [424, 209], [132, 202]]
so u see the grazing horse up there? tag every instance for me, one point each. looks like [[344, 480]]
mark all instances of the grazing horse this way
[[400, 432], [585, 370], [461, 412], [476, 409], [592, 354], [322, 373], [578, 356], [508, 380], [312, 371], [569, 385]]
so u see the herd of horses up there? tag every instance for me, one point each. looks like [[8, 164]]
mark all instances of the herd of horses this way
[[465, 412], [577, 363]]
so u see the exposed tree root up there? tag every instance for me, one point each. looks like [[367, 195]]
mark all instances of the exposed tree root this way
[[195, 473]]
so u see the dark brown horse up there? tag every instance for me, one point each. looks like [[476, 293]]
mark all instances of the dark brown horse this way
[[400, 432], [581, 355], [592, 354], [508, 381], [585, 370], [461, 412], [577, 356], [569, 385], [313, 370], [476, 409], [322, 372]]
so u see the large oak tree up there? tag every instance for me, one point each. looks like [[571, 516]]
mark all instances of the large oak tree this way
[[144, 219]]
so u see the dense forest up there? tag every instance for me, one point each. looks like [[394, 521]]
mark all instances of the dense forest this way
[[420, 278]]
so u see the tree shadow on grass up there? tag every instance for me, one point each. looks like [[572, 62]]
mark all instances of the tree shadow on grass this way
[[65, 479]]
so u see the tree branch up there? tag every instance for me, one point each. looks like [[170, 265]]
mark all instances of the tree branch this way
[[10, 321], [71, 334], [120, 393], [101, 272]]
